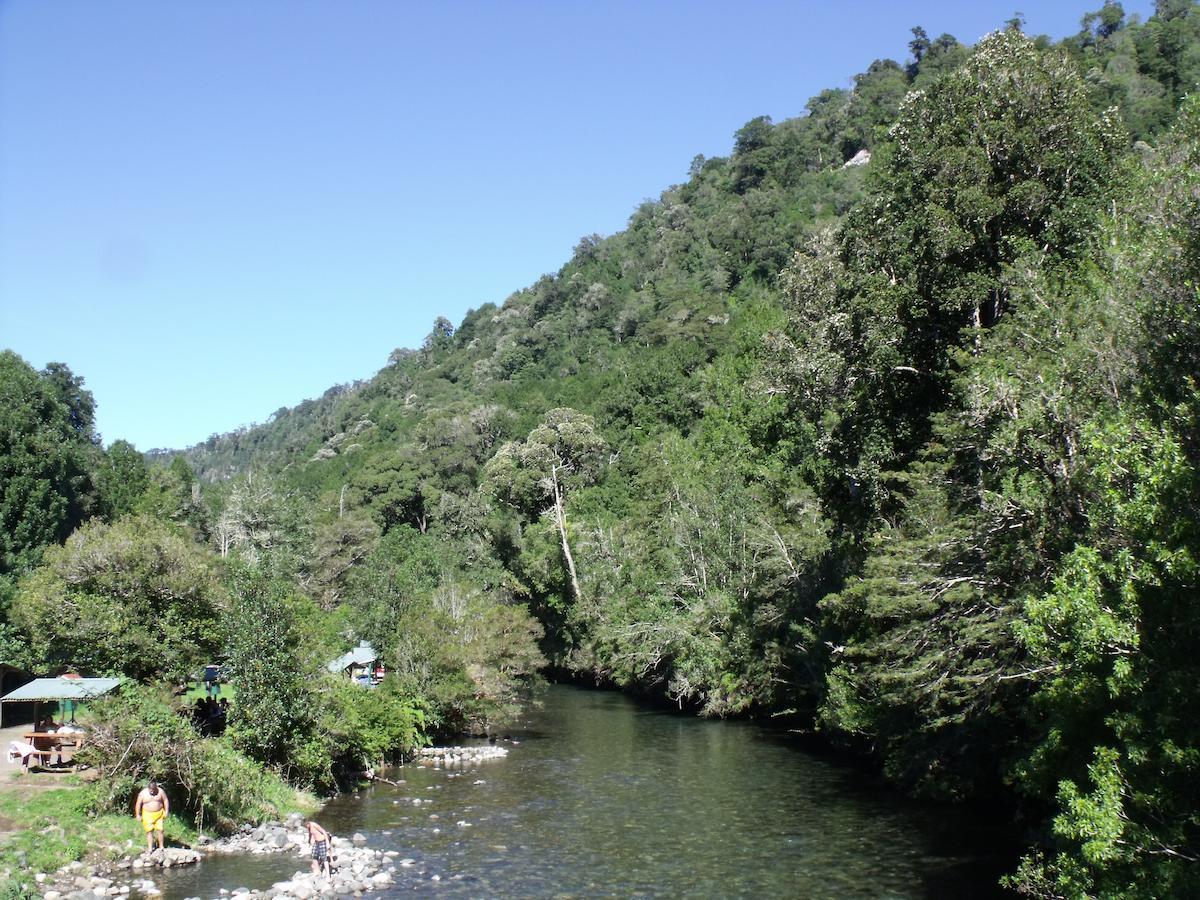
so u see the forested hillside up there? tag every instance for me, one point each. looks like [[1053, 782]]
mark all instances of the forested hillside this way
[[886, 424]]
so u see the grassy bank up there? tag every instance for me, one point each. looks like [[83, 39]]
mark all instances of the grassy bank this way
[[43, 828]]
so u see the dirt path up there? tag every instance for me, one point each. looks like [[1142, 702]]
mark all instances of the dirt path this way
[[15, 781]]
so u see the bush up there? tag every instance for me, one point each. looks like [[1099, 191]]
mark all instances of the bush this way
[[138, 737]]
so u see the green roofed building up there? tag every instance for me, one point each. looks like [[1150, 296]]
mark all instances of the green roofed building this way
[[50, 690]]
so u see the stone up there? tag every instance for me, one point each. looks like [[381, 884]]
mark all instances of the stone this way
[[359, 838], [52, 895], [408, 862]]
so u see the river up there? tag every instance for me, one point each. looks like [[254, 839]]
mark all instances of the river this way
[[602, 796]]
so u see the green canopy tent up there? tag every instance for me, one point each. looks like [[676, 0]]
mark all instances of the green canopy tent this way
[[57, 690]]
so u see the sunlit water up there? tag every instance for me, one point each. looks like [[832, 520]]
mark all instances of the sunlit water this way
[[600, 796]]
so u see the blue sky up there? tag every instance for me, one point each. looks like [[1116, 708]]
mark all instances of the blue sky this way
[[213, 209]]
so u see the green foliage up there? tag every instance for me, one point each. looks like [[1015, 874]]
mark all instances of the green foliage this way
[[274, 713], [1114, 645], [373, 725], [121, 479], [45, 448], [445, 631], [134, 597], [136, 737], [904, 449]]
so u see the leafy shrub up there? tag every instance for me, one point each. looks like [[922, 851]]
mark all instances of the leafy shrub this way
[[138, 737]]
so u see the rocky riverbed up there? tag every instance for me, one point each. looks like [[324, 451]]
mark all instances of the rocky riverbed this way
[[358, 870]]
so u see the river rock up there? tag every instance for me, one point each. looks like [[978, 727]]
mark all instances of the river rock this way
[[461, 755]]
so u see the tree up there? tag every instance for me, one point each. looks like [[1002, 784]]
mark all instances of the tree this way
[[121, 479], [46, 487], [80, 403], [562, 453], [134, 597], [274, 714], [338, 547]]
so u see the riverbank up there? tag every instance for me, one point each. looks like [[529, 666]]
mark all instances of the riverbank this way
[[357, 868], [598, 794], [114, 867]]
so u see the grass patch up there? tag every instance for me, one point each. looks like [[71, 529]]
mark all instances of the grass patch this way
[[55, 826], [196, 690]]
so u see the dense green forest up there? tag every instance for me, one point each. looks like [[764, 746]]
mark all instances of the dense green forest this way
[[885, 424]]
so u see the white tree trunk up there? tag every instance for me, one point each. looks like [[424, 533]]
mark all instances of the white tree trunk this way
[[560, 518]]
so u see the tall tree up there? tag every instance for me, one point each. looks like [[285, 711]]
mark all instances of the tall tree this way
[[564, 452], [46, 487]]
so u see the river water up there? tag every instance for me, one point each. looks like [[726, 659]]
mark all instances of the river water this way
[[601, 796]]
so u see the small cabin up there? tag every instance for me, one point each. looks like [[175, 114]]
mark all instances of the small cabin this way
[[361, 665]]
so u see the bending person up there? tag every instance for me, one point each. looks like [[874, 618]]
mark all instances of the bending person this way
[[320, 840]]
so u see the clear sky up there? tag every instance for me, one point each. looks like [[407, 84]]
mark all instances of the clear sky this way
[[210, 210]]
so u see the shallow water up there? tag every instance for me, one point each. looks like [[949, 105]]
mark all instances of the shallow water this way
[[600, 796]]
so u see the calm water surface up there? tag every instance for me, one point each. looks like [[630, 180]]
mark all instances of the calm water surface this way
[[600, 796]]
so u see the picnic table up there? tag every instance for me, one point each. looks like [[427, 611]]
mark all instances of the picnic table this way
[[62, 740]]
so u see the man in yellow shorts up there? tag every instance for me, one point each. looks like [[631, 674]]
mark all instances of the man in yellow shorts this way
[[151, 808]]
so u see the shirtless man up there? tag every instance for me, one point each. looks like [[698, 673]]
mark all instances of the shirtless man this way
[[151, 809], [321, 841]]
